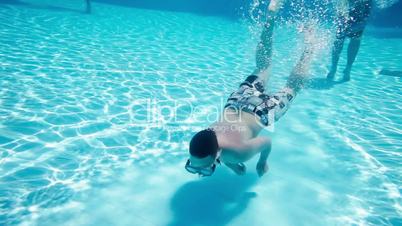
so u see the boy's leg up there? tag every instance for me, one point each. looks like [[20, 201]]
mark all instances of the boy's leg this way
[[282, 99], [300, 71], [264, 47], [263, 55]]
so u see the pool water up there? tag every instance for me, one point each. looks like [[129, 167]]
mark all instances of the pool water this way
[[84, 140]]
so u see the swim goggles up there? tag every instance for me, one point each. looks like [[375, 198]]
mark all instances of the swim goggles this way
[[202, 171]]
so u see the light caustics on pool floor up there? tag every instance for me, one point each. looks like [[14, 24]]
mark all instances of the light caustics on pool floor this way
[[77, 149]]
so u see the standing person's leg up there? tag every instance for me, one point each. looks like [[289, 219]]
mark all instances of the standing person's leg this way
[[353, 49], [359, 14], [342, 28], [336, 52]]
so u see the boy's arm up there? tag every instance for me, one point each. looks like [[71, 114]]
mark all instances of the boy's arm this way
[[265, 149], [245, 151]]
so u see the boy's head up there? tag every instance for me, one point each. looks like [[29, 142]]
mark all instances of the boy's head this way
[[204, 144], [203, 153]]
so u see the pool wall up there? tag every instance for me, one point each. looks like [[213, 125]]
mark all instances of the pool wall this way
[[235, 9]]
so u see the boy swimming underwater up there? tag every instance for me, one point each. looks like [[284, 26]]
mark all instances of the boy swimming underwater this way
[[234, 138]]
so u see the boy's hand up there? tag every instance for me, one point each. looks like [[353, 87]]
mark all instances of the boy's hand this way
[[262, 168], [239, 168]]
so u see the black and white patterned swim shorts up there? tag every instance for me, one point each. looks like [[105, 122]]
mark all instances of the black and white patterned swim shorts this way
[[250, 97]]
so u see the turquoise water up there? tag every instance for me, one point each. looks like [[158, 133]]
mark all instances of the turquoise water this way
[[79, 146]]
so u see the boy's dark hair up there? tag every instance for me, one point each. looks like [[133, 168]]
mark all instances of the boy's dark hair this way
[[204, 143]]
